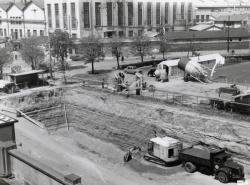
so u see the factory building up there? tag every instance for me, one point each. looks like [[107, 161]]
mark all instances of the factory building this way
[[123, 18]]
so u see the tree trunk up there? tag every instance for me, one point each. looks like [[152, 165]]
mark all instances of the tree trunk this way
[[64, 70], [142, 58], [32, 63], [93, 70], [1, 72], [163, 55], [117, 59]]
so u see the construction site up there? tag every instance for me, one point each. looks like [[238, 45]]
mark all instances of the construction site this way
[[101, 129]]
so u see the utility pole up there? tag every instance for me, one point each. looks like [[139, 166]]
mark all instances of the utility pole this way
[[228, 34]]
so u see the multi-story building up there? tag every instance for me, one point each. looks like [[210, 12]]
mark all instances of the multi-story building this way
[[106, 18], [208, 14], [21, 19]]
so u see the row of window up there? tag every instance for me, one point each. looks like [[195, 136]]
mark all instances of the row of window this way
[[121, 14], [202, 18], [18, 33]]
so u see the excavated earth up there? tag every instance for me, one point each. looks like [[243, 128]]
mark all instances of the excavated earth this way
[[126, 121]]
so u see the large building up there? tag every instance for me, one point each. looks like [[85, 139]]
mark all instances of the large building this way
[[21, 19], [107, 18], [208, 14]]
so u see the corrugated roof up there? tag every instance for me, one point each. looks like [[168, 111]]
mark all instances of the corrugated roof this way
[[27, 73], [235, 17], [193, 35], [201, 27]]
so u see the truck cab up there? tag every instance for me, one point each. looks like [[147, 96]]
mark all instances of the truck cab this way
[[217, 161]]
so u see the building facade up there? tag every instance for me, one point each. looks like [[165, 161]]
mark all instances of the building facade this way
[[208, 14], [124, 18], [22, 19]]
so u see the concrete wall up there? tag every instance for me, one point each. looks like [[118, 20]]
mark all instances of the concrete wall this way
[[32, 172]]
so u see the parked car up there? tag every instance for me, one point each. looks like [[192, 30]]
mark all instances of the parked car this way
[[130, 70], [151, 72]]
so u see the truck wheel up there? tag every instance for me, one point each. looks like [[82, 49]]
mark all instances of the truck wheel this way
[[222, 177], [190, 167]]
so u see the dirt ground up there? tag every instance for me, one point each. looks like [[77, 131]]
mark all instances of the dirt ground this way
[[103, 126]]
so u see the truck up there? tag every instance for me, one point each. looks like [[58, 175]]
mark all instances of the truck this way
[[240, 103], [217, 161]]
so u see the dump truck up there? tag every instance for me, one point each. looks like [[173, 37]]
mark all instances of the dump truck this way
[[216, 161]]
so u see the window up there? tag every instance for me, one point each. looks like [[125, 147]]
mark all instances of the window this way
[[12, 33], [166, 12], [1, 32], [121, 33], [130, 13], [174, 12], [21, 33], [65, 19], [86, 15], [98, 14], [158, 13], [202, 18], [5, 32], [34, 32], [170, 152], [120, 13], [57, 15], [73, 15], [197, 18], [16, 34], [41, 33], [28, 33], [139, 32], [140, 13], [182, 10], [149, 12], [0, 20], [189, 13], [131, 33], [207, 18], [74, 36], [109, 14], [49, 15]]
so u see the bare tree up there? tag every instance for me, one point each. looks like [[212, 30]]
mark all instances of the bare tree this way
[[141, 46], [32, 51], [116, 48], [60, 44], [164, 46], [5, 57], [92, 50]]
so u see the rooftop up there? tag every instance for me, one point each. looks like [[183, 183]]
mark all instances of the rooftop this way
[[6, 119], [27, 73], [235, 17], [165, 141]]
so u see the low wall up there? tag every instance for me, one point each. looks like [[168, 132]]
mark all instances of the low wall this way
[[32, 172]]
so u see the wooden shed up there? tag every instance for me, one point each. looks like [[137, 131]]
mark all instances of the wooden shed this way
[[28, 78]]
